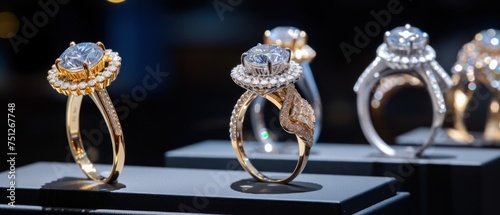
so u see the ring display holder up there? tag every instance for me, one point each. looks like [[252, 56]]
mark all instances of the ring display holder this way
[[446, 180], [443, 139], [61, 187]]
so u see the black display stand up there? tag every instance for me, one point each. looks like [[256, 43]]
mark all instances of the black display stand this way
[[447, 180], [418, 135], [62, 187]]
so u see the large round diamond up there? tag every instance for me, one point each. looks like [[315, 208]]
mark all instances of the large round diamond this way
[[259, 55], [286, 35], [489, 39], [74, 56], [401, 37], [258, 58]]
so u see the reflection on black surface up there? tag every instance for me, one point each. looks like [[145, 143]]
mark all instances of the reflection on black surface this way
[[52, 210], [257, 187], [281, 149], [437, 156], [72, 183], [412, 158]]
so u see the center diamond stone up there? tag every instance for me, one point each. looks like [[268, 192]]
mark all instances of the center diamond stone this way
[[261, 54], [258, 57], [402, 37], [489, 39], [285, 35], [74, 56]]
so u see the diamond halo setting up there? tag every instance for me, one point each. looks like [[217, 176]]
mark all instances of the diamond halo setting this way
[[481, 55], [406, 47], [84, 67], [265, 68]]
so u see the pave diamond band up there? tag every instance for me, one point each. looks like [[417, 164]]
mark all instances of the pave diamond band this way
[[405, 50], [87, 69], [274, 82], [297, 115]]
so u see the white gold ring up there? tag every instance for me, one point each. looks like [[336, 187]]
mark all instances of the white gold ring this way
[[405, 50]]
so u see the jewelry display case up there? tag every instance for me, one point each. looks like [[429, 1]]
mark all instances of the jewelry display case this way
[[230, 107]]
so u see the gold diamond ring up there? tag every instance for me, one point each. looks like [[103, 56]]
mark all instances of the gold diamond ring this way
[[296, 40], [87, 69], [478, 64], [268, 71]]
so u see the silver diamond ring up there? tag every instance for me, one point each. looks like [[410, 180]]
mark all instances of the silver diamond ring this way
[[405, 50]]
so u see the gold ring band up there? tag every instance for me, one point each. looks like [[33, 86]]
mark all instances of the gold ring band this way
[[304, 138], [459, 97], [103, 102]]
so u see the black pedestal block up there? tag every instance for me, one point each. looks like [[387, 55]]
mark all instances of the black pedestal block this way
[[61, 187], [447, 180]]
